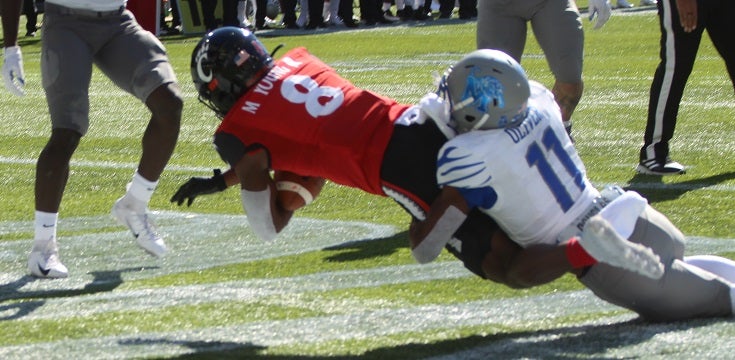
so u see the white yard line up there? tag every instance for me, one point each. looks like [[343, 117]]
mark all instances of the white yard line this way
[[107, 259]]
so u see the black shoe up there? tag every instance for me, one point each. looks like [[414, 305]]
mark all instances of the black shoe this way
[[350, 23], [263, 27], [389, 15], [31, 34], [420, 15], [291, 26], [658, 167], [445, 15], [381, 19], [405, 14], [314, 26]]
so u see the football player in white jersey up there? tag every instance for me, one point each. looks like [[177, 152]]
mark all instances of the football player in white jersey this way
[[514, 161], [78, 36]]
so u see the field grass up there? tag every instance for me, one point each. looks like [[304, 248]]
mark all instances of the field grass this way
[[341, 283]]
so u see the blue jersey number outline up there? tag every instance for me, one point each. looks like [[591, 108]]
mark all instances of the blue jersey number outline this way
[[537, 157]]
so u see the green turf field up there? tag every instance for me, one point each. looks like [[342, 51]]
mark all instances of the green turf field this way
[[341, 282]]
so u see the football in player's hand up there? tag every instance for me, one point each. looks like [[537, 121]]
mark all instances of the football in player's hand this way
[[295, 191]]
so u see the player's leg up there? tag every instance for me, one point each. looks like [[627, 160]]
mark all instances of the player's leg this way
[[720, 266], [683, 292], [137, 63], [720, 28], [501, 26], [558, 29], [66, 70], [678, 52]]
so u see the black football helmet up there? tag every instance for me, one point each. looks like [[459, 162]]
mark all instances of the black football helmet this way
[[225, 63]]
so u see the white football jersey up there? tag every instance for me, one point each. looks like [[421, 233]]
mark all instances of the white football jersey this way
[[529, 178]]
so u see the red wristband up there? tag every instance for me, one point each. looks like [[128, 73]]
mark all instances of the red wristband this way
[[577, 255]]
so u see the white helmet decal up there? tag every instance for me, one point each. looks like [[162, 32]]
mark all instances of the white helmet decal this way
[[202, 55]]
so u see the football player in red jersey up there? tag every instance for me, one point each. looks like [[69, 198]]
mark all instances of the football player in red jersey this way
[[297, 114]]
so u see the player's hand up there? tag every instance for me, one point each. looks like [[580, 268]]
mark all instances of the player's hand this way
[[13, 74], [687, 14], [602, 9], [199, 186]]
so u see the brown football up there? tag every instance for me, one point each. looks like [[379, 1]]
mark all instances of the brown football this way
[[295, 191]]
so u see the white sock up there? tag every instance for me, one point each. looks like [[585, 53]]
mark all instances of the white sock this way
[[142, 189], [44, 227], [386, 6]]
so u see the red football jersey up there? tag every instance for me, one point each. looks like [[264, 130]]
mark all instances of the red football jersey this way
[[313, 122]]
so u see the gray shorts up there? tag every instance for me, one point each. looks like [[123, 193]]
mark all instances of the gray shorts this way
[[684, 292], [74, 40], [502, 25]]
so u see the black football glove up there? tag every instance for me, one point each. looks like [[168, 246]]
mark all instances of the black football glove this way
[[199, 186]]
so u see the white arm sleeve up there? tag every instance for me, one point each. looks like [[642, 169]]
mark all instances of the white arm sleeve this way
[[257, 205], [434, 242]]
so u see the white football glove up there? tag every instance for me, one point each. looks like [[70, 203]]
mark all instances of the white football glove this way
[[13, 74], [602, 9]]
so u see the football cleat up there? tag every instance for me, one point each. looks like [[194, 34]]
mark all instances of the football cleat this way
[[603, 243], [142, 228], [648, 2], [656, 167], [43, 262], [624, 4]]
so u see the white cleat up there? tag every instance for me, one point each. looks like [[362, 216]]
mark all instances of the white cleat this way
[[624, 4], [43, 262], [142, 228], [604, 244]]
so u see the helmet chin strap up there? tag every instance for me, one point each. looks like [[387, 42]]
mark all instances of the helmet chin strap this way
[[278, 47], [482, 121]]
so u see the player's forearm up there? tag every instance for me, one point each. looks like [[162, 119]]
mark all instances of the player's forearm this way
[[538, 265], [10, 19]]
